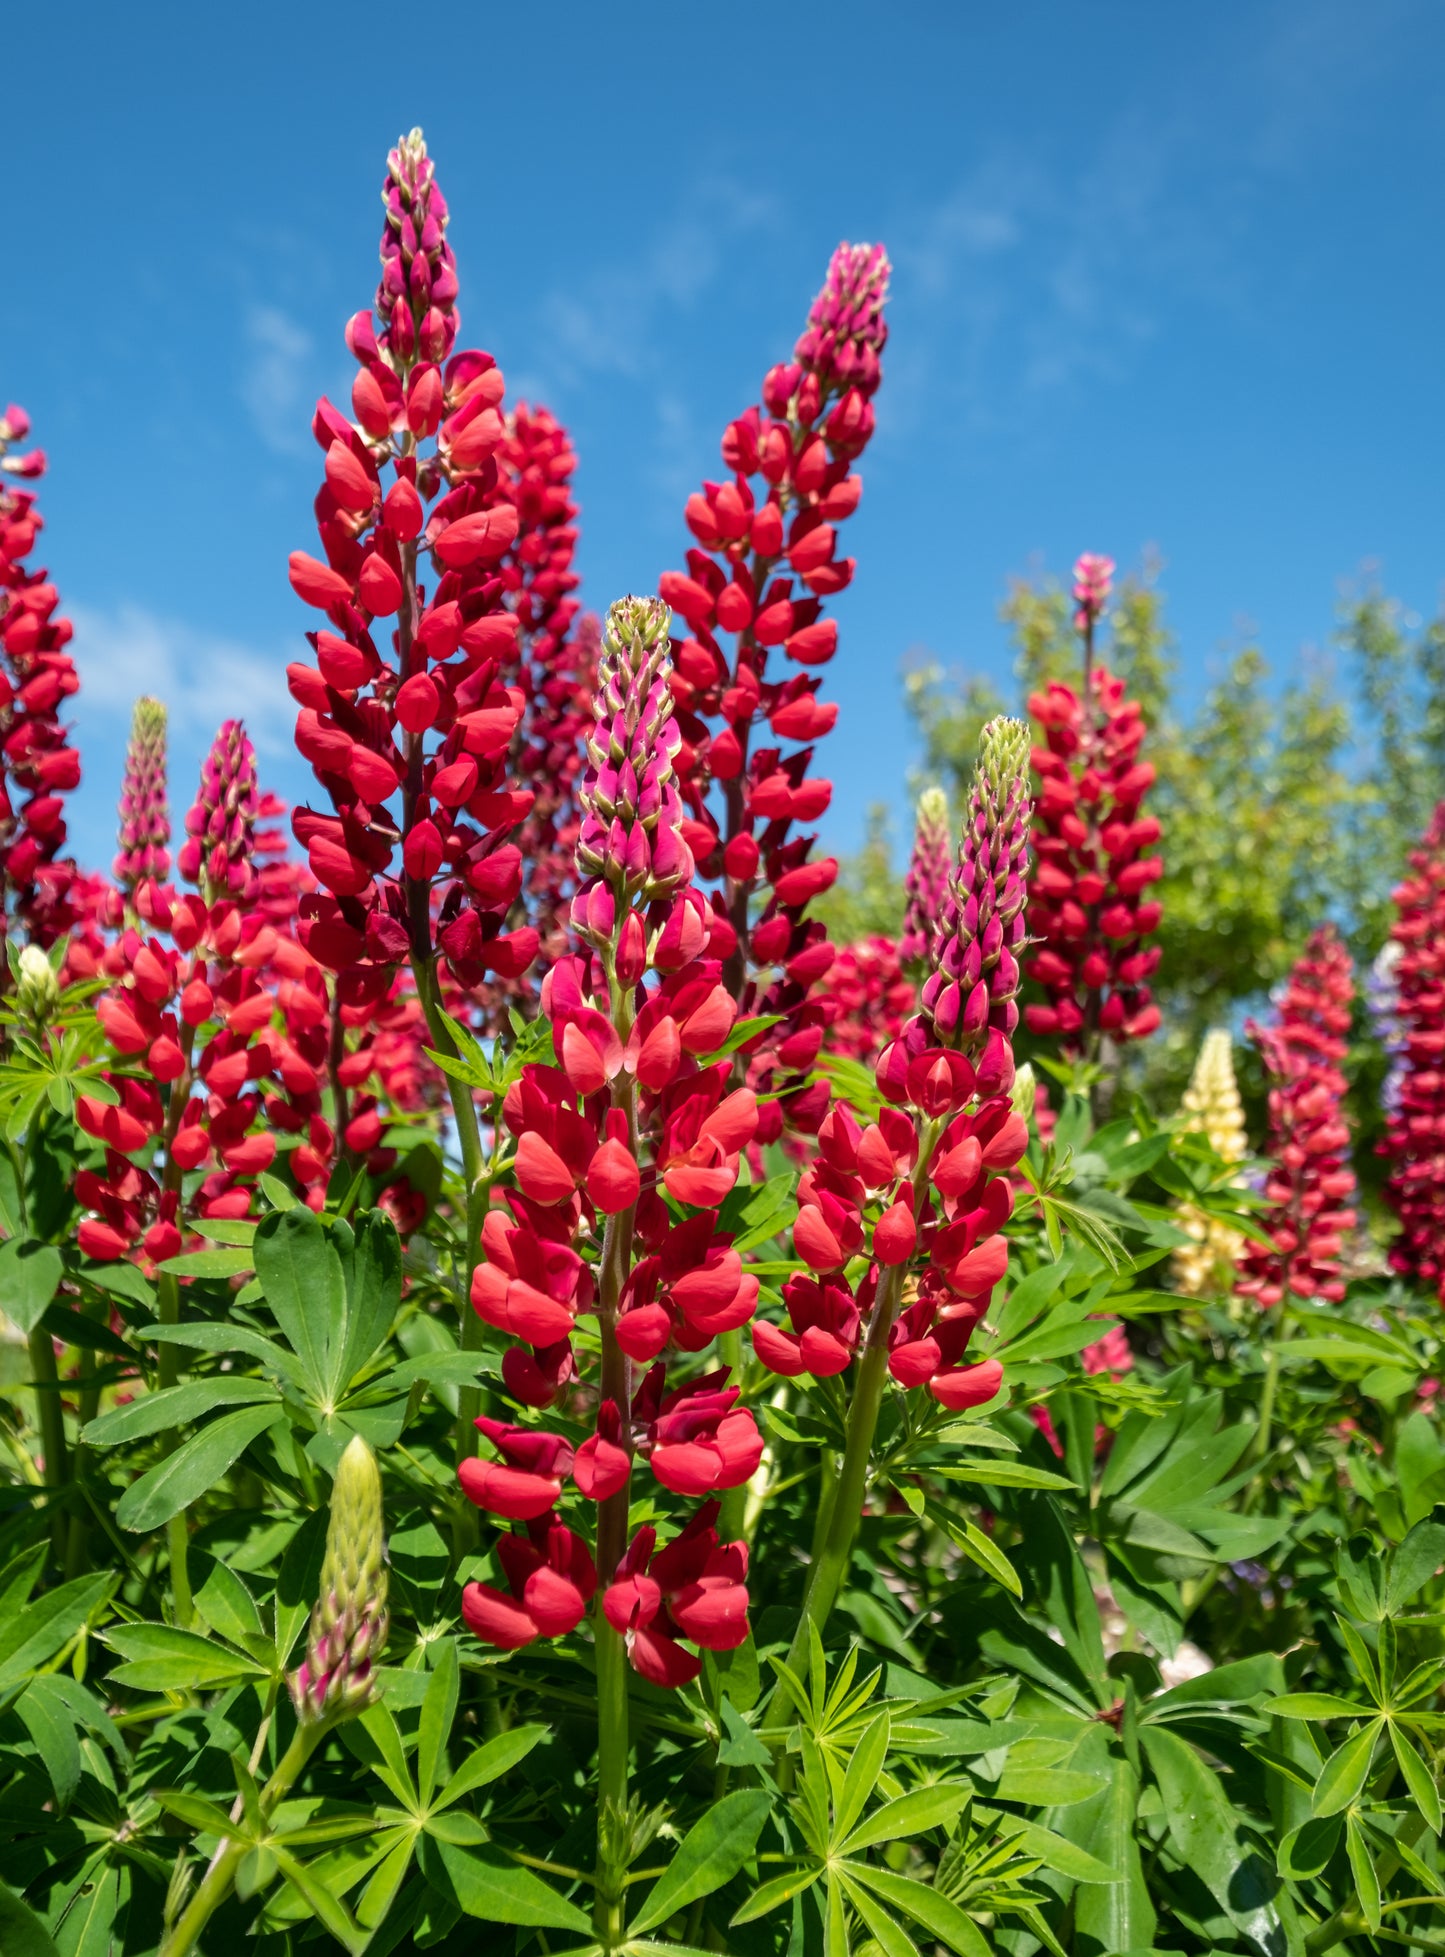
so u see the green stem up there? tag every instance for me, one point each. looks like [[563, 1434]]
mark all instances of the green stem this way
[[77, 1554], [52, 1428], [830, 1565], [177, 1531], [734, 1500], [221, 1875], [1259, 1448]]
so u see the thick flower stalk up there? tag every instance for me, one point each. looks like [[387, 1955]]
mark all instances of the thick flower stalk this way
[[1090, 916], [1415, 1133], [1310, 1186], [349, 1621], [923, 1192], [404, 717], [145, 811], [765, 562], [38, 766], [1211, 1107], [625, 1150]]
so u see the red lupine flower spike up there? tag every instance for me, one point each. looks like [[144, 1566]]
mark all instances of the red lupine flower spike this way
[[975, 976], [1092, 917], [1415, 1131], [145, 815], [926, 885], [1311, 1184], [221, 825], [37, 675], [765, 563]]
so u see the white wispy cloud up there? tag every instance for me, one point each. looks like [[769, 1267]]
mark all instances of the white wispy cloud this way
[[275, 378], [203, 677]]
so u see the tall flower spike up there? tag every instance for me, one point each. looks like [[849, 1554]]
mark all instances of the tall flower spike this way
[[349, 1622], [1415, 1134], [1093, 581], [926, 884], [220, 827], [632, 813], [1311, 1183], [753, 602], [974, 983], [37, 676], [1211, 1107], [145, 815]]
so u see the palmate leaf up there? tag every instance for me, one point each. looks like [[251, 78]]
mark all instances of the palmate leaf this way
[[22, 1934], [483, 1883]]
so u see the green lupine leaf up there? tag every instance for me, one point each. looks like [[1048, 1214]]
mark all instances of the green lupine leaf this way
[[1317, 1705], [910, 1815], [176, 1406], [780, 1889], [940, 1917], [483, 1883], [22, 1934], [1346, 1770], [30, 1275], [163, 1658], [1306, 1850], [1210, 1838], [1418, 1778], [489, 1762], [710, 1855], [196, 1466]]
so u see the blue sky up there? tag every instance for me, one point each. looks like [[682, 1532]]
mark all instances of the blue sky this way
[[1164, 276]]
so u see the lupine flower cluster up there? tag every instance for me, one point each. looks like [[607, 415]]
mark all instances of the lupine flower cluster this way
[[1090, 915], [632, 1124], [869, 997], [38, 766], [930, 1175], [145, 817], [1415, 1133], [411, 737], [1211, 1107], [765, 562], [1310, 1185], [191, 1013], [925, 886]]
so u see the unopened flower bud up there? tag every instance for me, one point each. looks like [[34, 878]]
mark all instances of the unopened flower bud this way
[[220, 827], [349, 1623], [37, 990]]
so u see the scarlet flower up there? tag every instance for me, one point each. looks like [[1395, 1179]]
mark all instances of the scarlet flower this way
[[527, 1481], [694, 1588], [1415, 1131], [699, 1438], [551, 1578], [1310, 1183]]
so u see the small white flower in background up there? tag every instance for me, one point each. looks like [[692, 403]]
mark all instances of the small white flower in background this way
[[1188, 1662]]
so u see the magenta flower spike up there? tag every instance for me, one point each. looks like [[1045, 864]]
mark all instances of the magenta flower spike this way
[[417, 265], [926, 884], [974, 985], [1093, 581], [220, 828], [845, 333], [631, 836], [145, 814]]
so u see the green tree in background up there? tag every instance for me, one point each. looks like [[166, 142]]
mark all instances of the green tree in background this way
[[1282, 805]]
